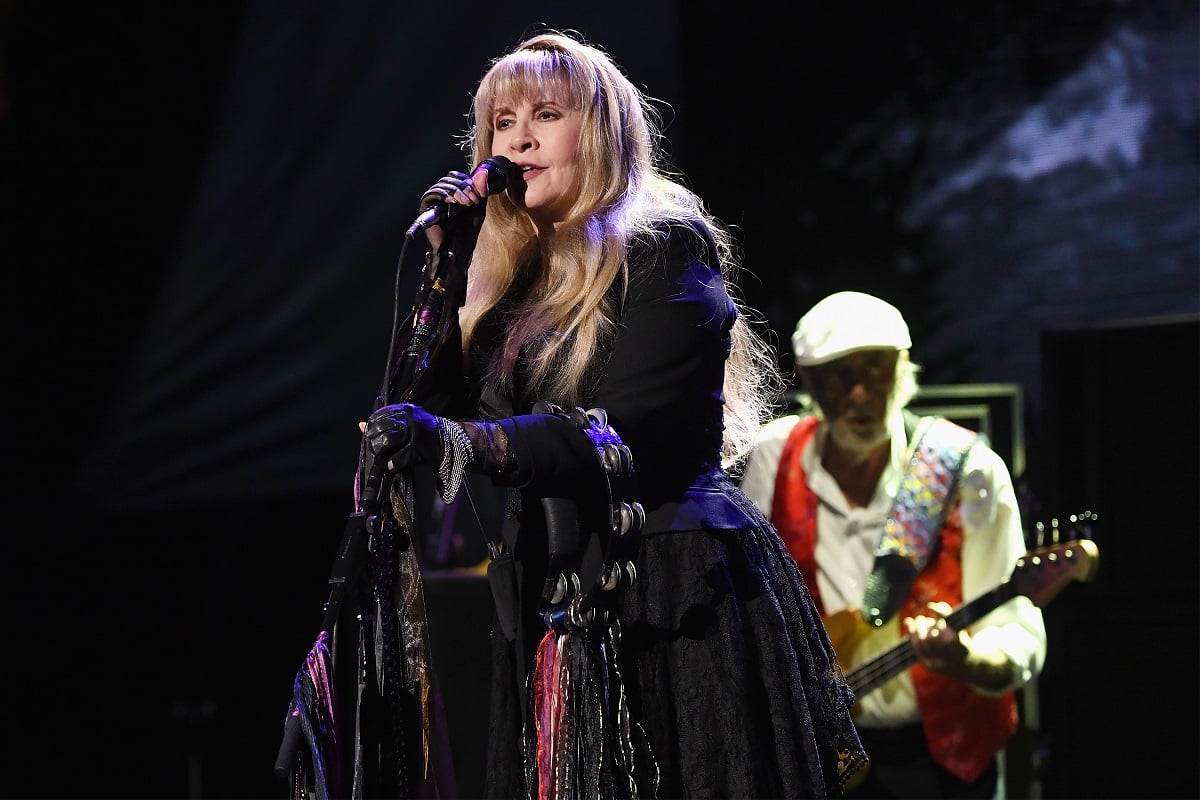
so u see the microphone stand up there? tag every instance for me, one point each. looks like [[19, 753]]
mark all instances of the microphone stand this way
[[330, 695]]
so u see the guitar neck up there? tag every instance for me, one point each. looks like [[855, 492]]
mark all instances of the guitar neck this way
[[880, 670]]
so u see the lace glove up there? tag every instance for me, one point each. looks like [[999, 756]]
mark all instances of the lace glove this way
[[405, 435]]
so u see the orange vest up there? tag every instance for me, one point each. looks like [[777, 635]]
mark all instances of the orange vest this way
[[964, 729]]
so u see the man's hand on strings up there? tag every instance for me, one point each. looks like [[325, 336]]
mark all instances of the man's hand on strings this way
[[937, 645], [941, 648]]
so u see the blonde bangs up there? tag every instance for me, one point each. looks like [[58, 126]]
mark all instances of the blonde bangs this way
[[526, 76]]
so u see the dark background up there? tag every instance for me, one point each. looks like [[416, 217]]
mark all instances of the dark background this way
[[203, 214]]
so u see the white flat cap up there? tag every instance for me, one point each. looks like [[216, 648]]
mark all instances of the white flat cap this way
[[845, 322]]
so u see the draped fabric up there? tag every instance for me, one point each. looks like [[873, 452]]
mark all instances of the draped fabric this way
[[366, 694]]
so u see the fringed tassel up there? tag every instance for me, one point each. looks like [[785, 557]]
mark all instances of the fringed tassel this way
[[548, 711], [630, 779], [585, 736], [313, 702], [588, 745]]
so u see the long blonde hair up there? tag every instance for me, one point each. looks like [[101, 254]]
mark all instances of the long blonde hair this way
[[625, 189]]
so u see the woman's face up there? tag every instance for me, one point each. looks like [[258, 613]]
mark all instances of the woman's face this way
[[542, 138]]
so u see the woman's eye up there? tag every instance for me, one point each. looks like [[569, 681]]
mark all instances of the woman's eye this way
[[501, 124]]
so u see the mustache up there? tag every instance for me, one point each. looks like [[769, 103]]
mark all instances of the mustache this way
[[868, 412]]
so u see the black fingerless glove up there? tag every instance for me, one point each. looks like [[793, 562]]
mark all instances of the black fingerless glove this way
[[405, 435]]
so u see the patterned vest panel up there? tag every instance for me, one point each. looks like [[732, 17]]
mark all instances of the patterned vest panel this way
[[964, 729]]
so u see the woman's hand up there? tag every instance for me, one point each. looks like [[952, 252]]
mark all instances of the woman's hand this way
[[403, 435], [455, 188]]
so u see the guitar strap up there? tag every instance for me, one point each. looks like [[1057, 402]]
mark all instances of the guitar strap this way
[[926, 496]]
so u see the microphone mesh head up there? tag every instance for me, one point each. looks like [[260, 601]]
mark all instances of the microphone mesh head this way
[[500, 173]]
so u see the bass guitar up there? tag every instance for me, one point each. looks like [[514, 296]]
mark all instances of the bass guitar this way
[[1039, 575]]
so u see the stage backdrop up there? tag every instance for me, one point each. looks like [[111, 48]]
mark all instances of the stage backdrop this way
[[203, 220]]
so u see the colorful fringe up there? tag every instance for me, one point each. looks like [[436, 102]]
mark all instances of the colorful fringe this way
[[585, 735], [312, 702]]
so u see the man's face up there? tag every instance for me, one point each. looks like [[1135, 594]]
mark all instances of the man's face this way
[[854, 393]]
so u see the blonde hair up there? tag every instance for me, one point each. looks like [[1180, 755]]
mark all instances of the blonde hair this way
[[625, 189]]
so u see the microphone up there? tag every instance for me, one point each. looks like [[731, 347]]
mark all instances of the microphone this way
[[500, 173]]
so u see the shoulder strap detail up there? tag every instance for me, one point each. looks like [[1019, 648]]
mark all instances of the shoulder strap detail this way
[[927, 494]]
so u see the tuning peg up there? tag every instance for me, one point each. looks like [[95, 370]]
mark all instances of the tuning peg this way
[[1091, 517], [1040, 533]]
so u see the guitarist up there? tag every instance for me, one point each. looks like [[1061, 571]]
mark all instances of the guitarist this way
[[895, 520]]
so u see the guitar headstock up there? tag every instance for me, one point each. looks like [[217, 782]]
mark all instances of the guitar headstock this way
[[1076, 526], [1042, 573]]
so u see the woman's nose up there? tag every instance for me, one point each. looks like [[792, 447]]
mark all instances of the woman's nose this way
[[521, 140]]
